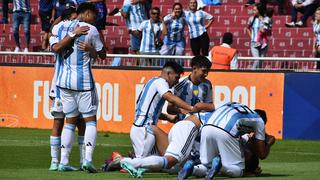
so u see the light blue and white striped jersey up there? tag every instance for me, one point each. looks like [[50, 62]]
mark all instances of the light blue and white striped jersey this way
[[255, 25], [175, 28], [150, 102], [191, 93], [316, 30], [21, 5], [196, 22], [137, 14], [75, 73], [236, 119], [54, 91], [148, 37]]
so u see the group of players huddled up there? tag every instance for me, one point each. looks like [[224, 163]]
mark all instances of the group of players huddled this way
[[204, 140]]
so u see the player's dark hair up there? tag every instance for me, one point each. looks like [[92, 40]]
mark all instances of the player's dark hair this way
[[155, 8], [262, 114], [83, 7], [269, 12], [175, 66], [66, 14], [201, 61], [227, 38], [260, 9]]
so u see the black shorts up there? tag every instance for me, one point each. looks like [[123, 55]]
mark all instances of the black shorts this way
[[45, 17]]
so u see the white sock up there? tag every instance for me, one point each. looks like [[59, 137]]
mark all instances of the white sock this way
[[135, 162], [81, 148], [154, 163], [199, 171], [90, 136], [55, 142], [67, 137]]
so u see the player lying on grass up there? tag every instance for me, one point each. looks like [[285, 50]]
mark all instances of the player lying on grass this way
[[220, 149]]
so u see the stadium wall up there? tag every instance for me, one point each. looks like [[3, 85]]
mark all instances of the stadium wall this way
[[25, 102], [301, 116]]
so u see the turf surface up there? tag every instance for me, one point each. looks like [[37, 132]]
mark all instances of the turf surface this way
[[25, 154]]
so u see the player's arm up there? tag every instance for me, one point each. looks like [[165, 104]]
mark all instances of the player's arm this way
[[208, 107], [78, 31], [88, 48], [263, 146], [176, 101]]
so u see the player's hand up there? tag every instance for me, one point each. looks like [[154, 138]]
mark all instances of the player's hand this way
[[134, 1], [199, 107], [81, 30], [85, 46], [51, 20], [270, 140]]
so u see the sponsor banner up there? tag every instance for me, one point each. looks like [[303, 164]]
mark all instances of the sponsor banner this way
[[25, 101], [301, 118]]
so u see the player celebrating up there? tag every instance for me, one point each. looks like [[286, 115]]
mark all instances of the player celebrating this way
[[220, 147], [56, 110], [149, 105], [76, 83]]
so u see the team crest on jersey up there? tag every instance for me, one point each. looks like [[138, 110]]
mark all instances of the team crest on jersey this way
[[195, 92], [58, 103]]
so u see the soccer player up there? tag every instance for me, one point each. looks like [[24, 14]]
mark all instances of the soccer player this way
[[55, 139], [220, 147], [149, 105], [181, 137], [75, 81]]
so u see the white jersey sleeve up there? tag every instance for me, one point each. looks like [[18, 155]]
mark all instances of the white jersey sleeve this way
[[55, 36], [209, 98], [95, 39], [207, 15], [259, 130], [162, 86]]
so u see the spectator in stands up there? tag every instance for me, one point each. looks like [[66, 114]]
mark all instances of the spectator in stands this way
[[223, 56], [61, 5], [254, 26], [21, 14], [265, 2], [5, 9], [306, 7], [174, 42], [199, 38], [265, 30], [47, 18], [134, 11], [316, 30], [151, 30]]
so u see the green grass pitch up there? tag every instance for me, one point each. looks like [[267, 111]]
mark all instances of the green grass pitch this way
[[25, 154]]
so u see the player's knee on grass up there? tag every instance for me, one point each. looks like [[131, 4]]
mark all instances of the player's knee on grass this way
[[200, 171], [232, 170]]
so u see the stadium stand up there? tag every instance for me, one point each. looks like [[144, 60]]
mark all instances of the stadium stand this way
[[231, 16]]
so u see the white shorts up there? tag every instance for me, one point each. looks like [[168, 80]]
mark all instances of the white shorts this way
[[57, 108], [143, 141], [181, 138], [214, 142], [76, 103]]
